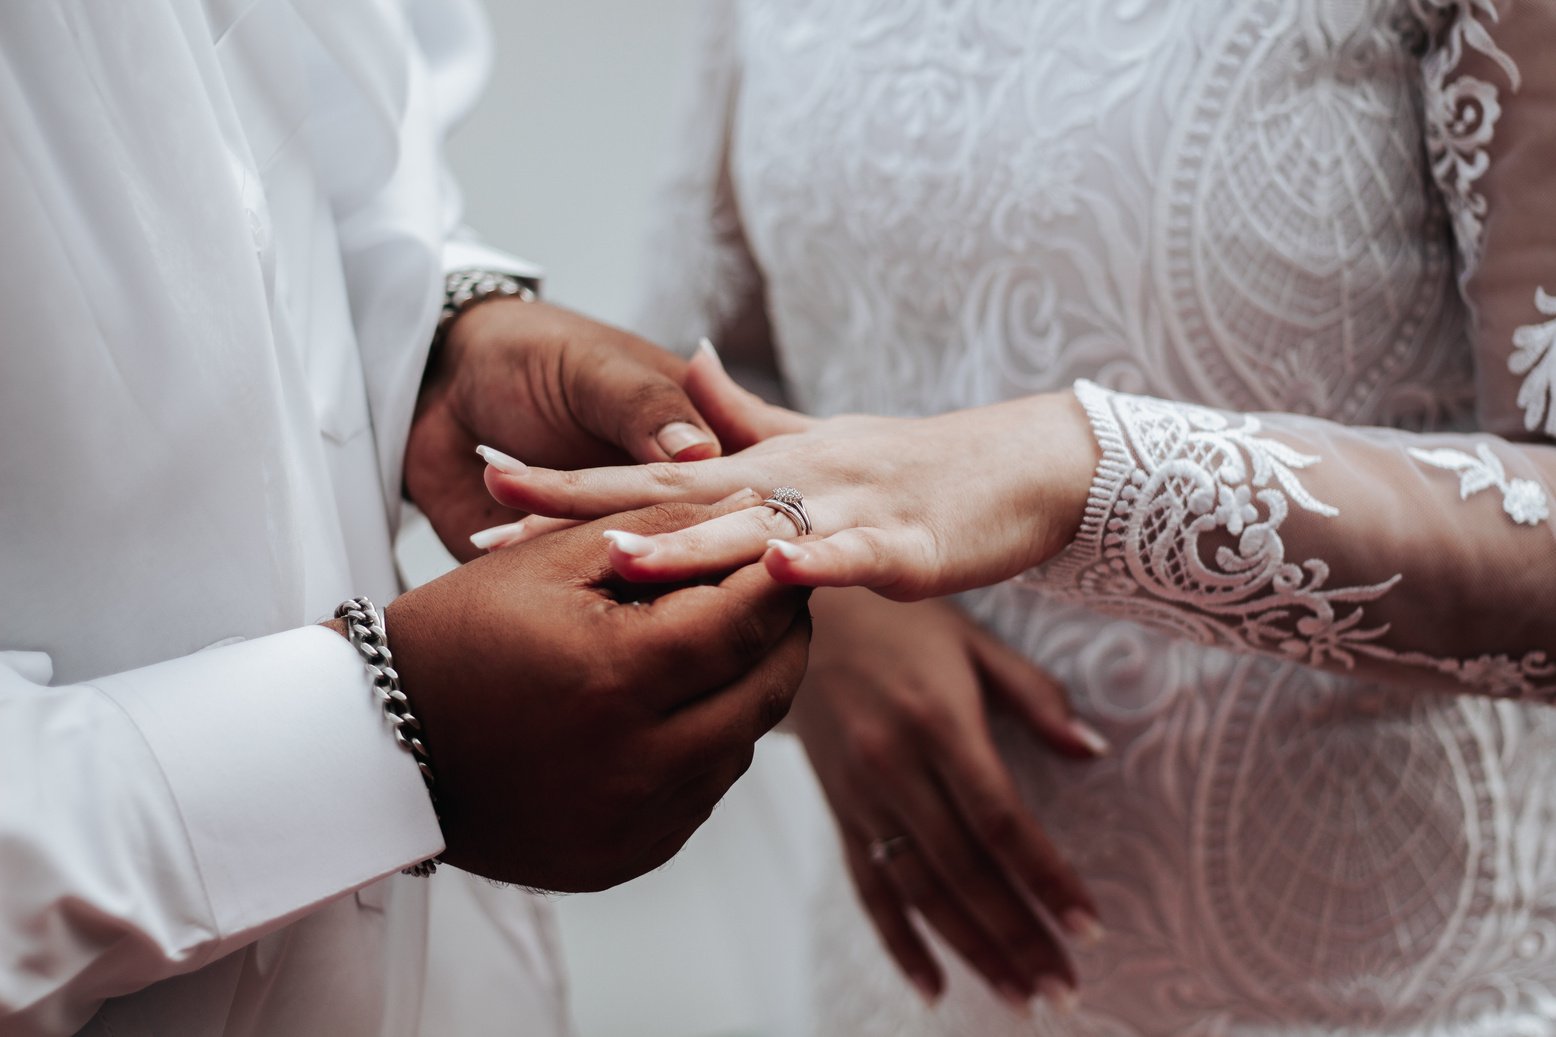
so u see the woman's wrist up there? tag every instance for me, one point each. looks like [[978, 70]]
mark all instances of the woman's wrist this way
[[1064, 460]]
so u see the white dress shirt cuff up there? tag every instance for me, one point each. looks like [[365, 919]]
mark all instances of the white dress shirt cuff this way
[[290, 784], [466, 252]]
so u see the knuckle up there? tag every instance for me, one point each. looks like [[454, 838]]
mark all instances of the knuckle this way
[[1000, 827], [914, 887], [874, 747], [774, 705], [747, 637], [668, 476]]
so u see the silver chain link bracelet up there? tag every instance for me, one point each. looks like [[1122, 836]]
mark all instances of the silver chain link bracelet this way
[[366, 629], [462, 289]]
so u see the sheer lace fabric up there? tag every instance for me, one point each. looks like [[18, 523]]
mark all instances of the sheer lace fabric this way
[[1322, 230]]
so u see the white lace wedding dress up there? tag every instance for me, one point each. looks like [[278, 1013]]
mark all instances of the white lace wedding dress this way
[[1311, 209]]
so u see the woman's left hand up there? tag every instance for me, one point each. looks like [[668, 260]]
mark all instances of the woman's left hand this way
[[909, 508], [893, 715]]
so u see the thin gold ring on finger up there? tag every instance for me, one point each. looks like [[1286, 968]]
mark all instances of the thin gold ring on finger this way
[[883, 850], [788, 502]]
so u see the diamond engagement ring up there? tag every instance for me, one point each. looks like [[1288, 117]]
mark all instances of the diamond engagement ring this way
[[883, 850], [788, 502]]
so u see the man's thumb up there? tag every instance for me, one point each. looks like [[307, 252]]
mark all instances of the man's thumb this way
[[649, 416]]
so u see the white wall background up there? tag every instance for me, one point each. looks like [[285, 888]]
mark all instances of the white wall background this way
[[559, 161], [559, 164]]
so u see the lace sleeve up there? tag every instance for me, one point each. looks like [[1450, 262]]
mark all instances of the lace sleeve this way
[[699, 277], [1395, 554]]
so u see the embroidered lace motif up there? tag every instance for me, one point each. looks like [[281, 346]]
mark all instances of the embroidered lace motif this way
[[1187, 509], [1523, 499], [1183, 528], [1462, 113], [1534, 357]]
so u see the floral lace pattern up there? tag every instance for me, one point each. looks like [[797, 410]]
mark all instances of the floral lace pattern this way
[[1523, 500], [1462, 113], [1172, 480], [1534, 357], [1183, 530]]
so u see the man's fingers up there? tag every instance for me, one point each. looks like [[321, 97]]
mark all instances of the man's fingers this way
[[1036, 697], [720, 729], [703, 638], [644, 412], [740, 418]]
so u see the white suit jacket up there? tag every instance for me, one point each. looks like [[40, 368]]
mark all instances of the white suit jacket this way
[[223, 228]]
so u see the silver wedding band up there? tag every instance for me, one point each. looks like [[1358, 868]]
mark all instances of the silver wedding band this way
[[883, 850], [788, 502]]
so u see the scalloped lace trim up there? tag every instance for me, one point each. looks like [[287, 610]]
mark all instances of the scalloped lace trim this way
[[1183, 530]]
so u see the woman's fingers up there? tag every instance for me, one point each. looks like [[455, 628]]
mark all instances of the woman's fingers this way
[[530, 527], [594, 492], [970, 870], [718, 544], [514, 533], [739, 418], [941, 906], [889, 915], [992, 810], [897, 565], [1036, 697]]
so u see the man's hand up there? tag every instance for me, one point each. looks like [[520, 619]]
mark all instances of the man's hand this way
[[580, 730], [549, 387]]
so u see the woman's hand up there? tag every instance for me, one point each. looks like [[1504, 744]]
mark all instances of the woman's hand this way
[[909, 508], [892, 714]]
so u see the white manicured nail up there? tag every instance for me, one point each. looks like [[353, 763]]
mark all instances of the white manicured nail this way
[[501, 461], [630, 543], [737, 497], [1090, 737], [1059, 995], [706, 346], [1015, 999], [487, 539], [1083, 925], [791, 552]]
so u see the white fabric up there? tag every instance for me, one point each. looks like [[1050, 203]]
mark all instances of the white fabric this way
[[222, 225], [1229, 203]]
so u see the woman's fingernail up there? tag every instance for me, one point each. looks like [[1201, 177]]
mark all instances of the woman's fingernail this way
[[926, 990], [705, 345], [487, 539], [630, 543], [680, 436], [1090, 737], [1083, 925], [791, 552], [747, 494], [1016, 998], [1059, 995], [501, 461]]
